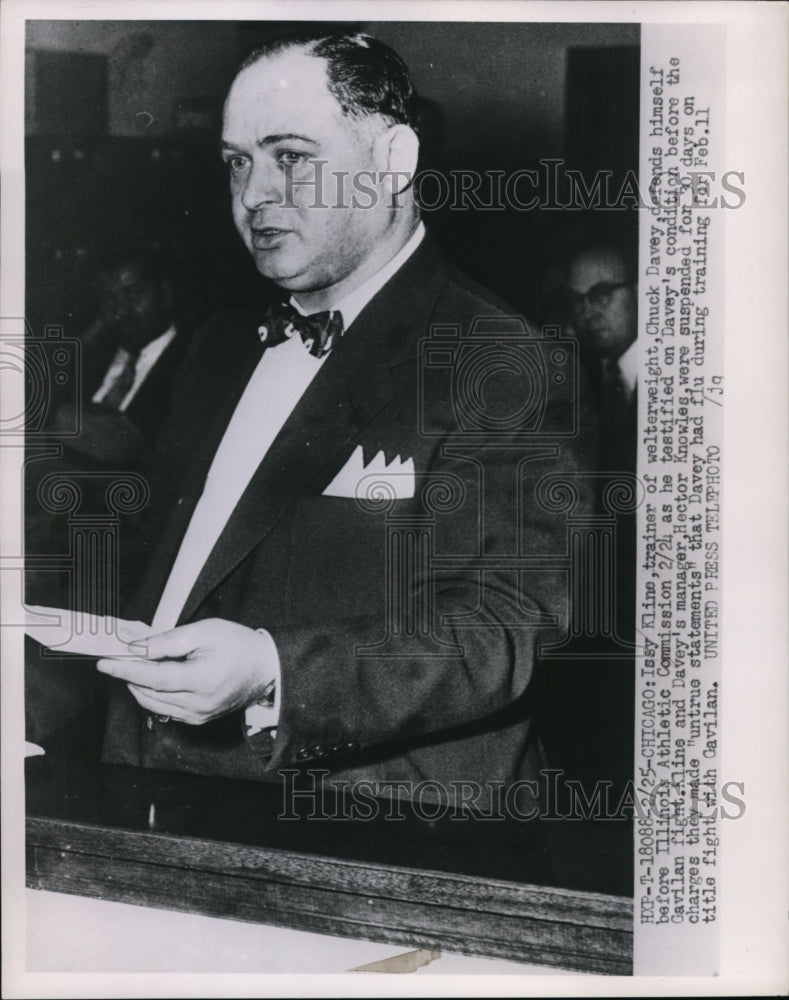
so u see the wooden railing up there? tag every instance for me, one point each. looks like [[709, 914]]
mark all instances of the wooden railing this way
[[549, 892]]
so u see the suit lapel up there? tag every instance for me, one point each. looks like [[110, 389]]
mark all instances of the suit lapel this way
[[351, 388]]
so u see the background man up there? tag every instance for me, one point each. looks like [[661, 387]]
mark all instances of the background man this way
[[594, 724], [603, 312], [264, 575], [129, 358]]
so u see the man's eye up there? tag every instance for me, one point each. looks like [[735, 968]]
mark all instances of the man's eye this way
[[235, 164], [291, 158]]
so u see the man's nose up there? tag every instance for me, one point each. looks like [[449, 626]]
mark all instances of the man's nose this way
[[588, 308], [263, 185]]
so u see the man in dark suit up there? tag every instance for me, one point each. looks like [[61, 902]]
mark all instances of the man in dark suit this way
[[128, 361], [600, 296], [130, 355], [333, 556]]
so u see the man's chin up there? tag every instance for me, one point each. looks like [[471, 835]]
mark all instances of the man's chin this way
[[271, 266], [289, 278]]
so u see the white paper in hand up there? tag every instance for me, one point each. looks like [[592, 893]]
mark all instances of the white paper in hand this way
[[81, 633]]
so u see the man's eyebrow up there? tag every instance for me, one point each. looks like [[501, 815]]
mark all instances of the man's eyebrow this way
[[272, 140]]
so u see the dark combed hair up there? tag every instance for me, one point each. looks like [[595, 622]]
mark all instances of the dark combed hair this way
[[366, 77]]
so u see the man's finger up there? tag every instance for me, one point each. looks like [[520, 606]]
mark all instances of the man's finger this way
[[173, 644], [156, 705], [154, 701], [155, 675]]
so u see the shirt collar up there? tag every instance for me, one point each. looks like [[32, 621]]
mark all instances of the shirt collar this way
[[154, 348], [352, 304], [628, 366]]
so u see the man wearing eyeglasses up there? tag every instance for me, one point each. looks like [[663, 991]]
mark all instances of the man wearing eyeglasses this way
[[600, 295], [601, 310]]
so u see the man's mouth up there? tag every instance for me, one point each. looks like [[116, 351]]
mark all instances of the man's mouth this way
[[266, 237]]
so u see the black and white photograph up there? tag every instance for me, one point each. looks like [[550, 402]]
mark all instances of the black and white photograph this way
[[365, 550]]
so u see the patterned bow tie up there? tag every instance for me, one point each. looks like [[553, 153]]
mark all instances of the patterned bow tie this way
[[319, 331]]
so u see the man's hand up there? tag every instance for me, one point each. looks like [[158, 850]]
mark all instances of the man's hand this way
[[200, 671]]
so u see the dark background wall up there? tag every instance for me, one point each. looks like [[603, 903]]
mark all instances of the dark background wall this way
[[499, 84]]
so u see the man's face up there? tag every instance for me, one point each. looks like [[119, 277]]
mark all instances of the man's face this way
[[602, 304], [134, 305], [279, 118]]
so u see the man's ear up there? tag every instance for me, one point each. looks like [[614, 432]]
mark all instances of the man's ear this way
[[396, 153]]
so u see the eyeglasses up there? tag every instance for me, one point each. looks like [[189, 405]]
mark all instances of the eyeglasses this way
[[598, 296]]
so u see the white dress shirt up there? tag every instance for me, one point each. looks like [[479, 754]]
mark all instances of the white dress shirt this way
[[146, 359], [280, 379], [628, 368]]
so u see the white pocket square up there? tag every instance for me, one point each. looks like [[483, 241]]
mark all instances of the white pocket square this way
[[375, 480]]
